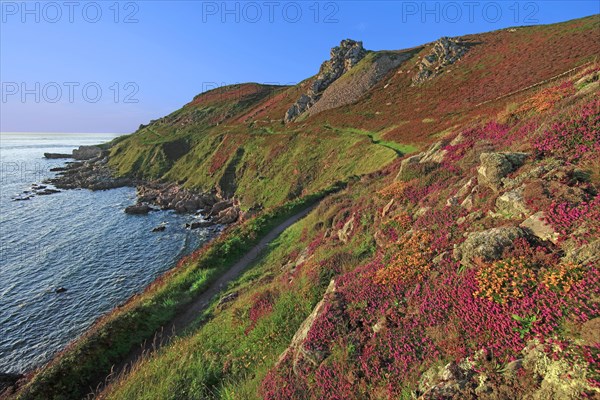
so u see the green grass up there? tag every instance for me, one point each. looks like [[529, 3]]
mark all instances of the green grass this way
[[376, 138]]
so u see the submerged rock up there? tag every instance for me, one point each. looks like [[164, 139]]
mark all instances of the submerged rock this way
[[160, 228]]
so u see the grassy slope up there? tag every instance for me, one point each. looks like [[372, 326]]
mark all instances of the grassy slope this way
[[232, 353], [315, 152]]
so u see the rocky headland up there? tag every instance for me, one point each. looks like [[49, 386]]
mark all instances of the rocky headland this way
[[93, 172]]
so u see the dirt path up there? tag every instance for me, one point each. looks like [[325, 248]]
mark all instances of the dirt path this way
[[182, 321]]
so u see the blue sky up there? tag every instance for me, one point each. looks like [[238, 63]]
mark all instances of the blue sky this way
[[109, 66]]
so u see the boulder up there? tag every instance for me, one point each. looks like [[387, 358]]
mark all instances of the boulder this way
[[138, 209], [512, 204], [495, 166], [540, 228], [228, 216], [160, 228], [220, 206], [487, 245], [199, 224]]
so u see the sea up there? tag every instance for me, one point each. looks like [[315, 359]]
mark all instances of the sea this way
[[77, 240]]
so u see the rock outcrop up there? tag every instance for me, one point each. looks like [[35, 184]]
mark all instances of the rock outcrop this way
[[298, 352], [421, 162], [512, 203], [94, 174], [82, 153], [343, 57], [351, 87], [170, 196], [446, 51]]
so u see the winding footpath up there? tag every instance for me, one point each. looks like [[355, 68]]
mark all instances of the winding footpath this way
[[186, 318]]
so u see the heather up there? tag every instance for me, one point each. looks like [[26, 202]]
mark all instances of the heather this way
[[461, 260]]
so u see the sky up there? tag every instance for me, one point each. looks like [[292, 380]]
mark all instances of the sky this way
[[108, 66]]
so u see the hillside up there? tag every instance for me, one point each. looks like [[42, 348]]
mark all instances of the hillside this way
[[454, 251]]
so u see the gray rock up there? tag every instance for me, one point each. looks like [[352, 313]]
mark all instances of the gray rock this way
[[220, 206], [199, 224], [54, 156], [87, 152], [446, 51], [495, 166], [538, 226], [512, 203], [344, 233], [487, 245], [228, 216], [588, 253]]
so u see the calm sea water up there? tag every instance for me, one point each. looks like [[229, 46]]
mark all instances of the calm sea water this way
[[77, 239]]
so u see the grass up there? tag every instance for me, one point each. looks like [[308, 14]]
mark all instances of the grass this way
[[376, 138]]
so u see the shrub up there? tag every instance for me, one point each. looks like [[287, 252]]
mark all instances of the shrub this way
[[411, 262], [504, 280], [561, 278]]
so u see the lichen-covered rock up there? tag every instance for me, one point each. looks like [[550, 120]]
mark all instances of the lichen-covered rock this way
[[445, 382], [587, 253], [512, 204], [540, 228], [487, 245], [495, 166], [560, 379], [446, 51]]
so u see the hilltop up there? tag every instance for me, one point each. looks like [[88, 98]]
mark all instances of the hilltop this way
[[454, 251]]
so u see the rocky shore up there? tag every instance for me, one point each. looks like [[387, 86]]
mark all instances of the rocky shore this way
[[93, 172]]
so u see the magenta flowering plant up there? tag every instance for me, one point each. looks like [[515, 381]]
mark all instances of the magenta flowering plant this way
[[575, 137]]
